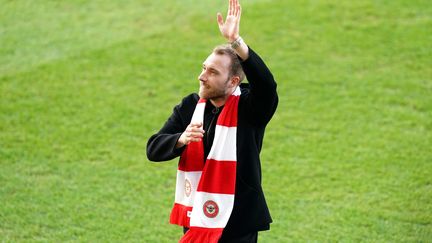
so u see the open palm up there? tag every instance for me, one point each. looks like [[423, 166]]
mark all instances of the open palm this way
[[231, 27]]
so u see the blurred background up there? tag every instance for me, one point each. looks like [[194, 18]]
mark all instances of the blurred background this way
[[84, 84]]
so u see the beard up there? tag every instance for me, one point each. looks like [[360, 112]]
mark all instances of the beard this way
[[210, 92]]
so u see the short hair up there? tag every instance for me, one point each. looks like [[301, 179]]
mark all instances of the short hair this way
[[236, 67]]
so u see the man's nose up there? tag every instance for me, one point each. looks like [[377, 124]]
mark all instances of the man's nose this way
[[202, 77]]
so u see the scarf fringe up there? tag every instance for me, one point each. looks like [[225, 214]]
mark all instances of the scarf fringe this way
[[179, 215], [202, 235]]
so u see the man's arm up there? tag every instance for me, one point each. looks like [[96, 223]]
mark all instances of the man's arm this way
[[263, 99], [161, 146], [164, 145]]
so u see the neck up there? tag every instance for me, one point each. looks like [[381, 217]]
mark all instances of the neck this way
[[218, 102]]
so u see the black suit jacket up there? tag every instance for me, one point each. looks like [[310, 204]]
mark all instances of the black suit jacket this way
[[258, 102]]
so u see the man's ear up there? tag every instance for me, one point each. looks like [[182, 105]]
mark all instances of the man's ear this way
[[235, 81]]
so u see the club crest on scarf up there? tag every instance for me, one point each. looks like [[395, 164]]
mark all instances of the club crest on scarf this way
[[211, 209], [188, 188]]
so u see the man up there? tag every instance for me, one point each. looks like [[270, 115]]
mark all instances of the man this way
[[218, 135]]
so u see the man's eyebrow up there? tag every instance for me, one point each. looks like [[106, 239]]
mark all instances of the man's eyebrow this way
[[211, 68]]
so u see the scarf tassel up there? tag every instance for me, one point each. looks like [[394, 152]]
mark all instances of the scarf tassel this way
[[207, 235], [179, 215]]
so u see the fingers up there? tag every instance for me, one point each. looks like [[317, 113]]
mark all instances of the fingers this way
[[195, 130], [237, 8], [195, 124], [234, 8], [229, 27], [220, 20], [193, 133]]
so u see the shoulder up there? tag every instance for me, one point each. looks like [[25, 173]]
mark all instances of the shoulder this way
[[190, 99], [245, 89], [188, 102]]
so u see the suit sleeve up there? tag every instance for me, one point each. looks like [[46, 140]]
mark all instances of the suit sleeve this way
[[262, 99], [161, 146]]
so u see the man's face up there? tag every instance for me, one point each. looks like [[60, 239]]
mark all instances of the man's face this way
[[214, 77]]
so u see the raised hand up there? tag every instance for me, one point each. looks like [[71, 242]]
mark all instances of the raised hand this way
[[231, 27]]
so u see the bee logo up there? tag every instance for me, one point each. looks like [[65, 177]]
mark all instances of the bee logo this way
[[211, 209]]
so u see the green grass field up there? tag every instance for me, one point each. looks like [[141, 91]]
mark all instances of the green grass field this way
[[83, 84]]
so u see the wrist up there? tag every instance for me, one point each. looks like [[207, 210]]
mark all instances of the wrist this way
[[241, 48], [180, 142], [232, 38], [236, 43]]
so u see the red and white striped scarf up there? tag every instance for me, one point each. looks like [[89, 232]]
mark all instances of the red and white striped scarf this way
[[204, 196]]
